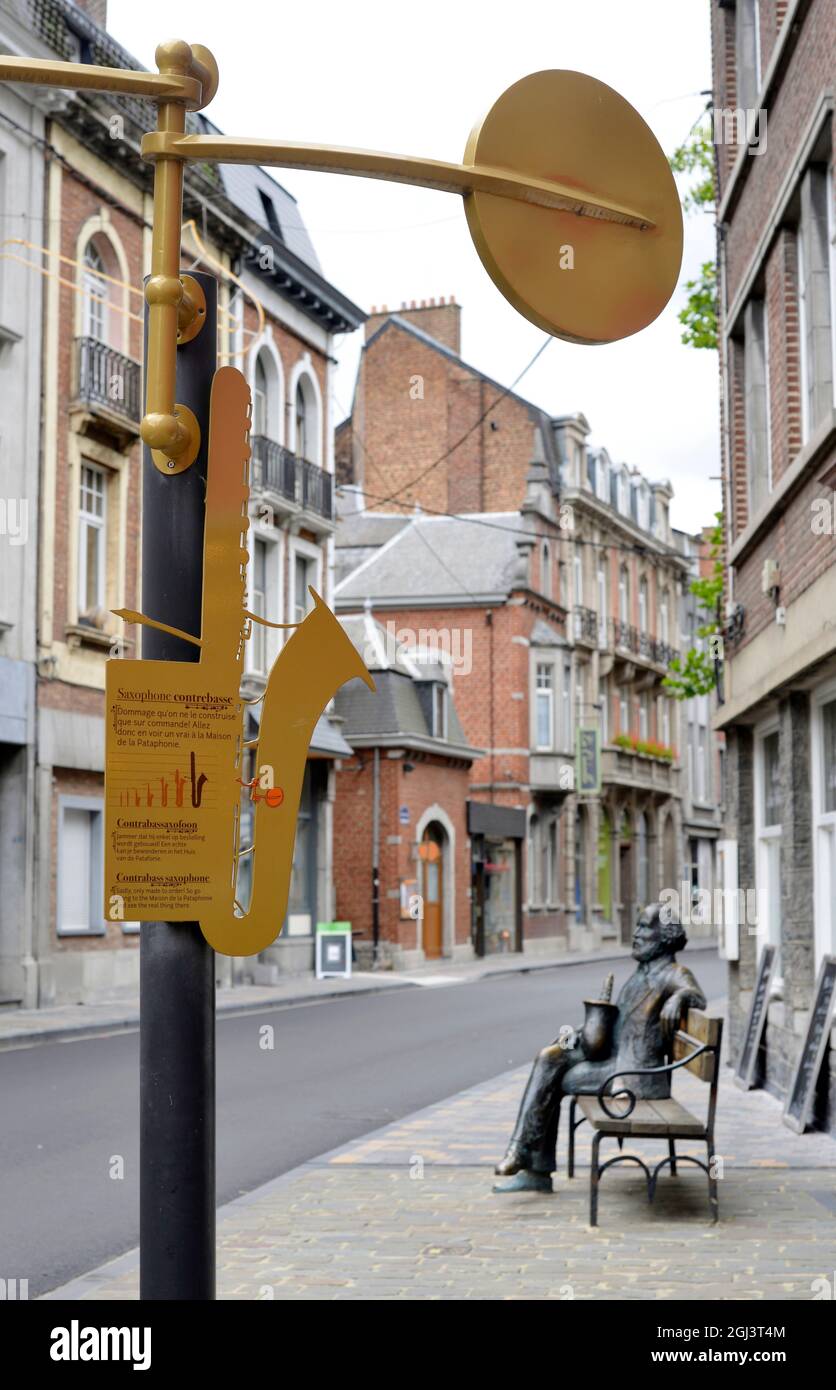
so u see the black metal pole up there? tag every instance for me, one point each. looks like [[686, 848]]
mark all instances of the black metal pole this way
[[177, 966]]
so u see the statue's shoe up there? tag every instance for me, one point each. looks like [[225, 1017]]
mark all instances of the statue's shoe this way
[[511, 1163], [526, 1180]]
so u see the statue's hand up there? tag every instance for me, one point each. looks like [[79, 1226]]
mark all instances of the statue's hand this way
[[671, 1015]]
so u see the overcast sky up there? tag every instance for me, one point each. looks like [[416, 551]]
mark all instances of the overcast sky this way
[[414, 79]]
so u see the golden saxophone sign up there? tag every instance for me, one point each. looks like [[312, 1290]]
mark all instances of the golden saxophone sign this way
[[175, 750]]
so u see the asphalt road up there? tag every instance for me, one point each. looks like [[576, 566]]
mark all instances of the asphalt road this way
[[339, 1068]]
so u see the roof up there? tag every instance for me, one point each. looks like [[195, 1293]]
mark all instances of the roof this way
[[247, 186], [398, 710], [439, 558]]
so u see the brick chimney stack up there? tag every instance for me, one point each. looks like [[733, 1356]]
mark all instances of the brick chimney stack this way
[[439, 318], [96, 9]]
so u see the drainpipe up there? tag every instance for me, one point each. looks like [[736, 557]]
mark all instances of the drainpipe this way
[[376, 858]]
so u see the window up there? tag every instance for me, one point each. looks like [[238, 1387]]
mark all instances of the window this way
[[80, 868], [756, 404], [552, 863], [747, 54], [663, 616], [94, 314], [260, 398], [663, 720], [304, 574], [643, 606], [92, 518], [534, 866], [814, 301], [305, 412], [623, 714], [644, 716], [624, 594], [544, 705], [605, 700], [702, 763], [546, 569], [566, 705], [439, 711], [577, 568], [602, 607]]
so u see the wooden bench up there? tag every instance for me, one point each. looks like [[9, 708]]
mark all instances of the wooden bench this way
[[620, 1115]]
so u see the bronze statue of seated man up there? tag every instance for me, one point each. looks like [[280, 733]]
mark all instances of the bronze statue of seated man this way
[[643, 1021]]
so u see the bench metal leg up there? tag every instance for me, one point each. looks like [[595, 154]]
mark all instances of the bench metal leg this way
[[672, 1155], [593, 1181], [713, 1196], [573, 1124]]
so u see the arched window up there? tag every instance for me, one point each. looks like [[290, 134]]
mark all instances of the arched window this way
[[663, 616], [577, 563], [94, 314], [306, 420], [266, 397]]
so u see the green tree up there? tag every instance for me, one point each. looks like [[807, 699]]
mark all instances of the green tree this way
[[699, 316], [697, 673]]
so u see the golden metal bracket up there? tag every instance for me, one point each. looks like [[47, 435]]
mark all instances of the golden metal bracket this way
[[552, 169]]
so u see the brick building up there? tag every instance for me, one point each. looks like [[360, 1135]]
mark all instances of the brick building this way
[[401, 862], [277, 321], [776, 226]]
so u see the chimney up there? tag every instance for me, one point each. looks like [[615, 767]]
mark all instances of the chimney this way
[[96, 9], [439, 318]]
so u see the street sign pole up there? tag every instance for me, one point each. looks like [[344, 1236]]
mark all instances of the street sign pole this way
[[177, 964]]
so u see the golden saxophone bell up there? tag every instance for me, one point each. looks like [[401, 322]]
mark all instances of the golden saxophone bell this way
[[175, 733]]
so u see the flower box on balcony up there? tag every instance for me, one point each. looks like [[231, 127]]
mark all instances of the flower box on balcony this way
[[645, 748]]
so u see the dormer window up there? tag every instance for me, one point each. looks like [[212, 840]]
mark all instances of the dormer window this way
[[439, 710]]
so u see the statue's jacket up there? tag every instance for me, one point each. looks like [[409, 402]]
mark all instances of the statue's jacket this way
[[638, 1039]]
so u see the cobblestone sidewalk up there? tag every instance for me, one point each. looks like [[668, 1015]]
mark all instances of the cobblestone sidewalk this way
[[408, 1212]]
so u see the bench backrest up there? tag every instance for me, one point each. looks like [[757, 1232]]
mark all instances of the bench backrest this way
[[699, 1029]]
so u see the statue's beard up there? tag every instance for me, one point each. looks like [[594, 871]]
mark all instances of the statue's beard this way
[[649, 953]]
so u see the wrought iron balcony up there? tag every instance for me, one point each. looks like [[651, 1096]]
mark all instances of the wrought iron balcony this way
[[108, 379], [317, 490], [585, 625], [273, 467], [627, 638]]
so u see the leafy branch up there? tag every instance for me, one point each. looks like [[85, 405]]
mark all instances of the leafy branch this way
[[697, 674], [699, 316]]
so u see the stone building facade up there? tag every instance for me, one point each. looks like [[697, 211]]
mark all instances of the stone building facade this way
[[776, 226]]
